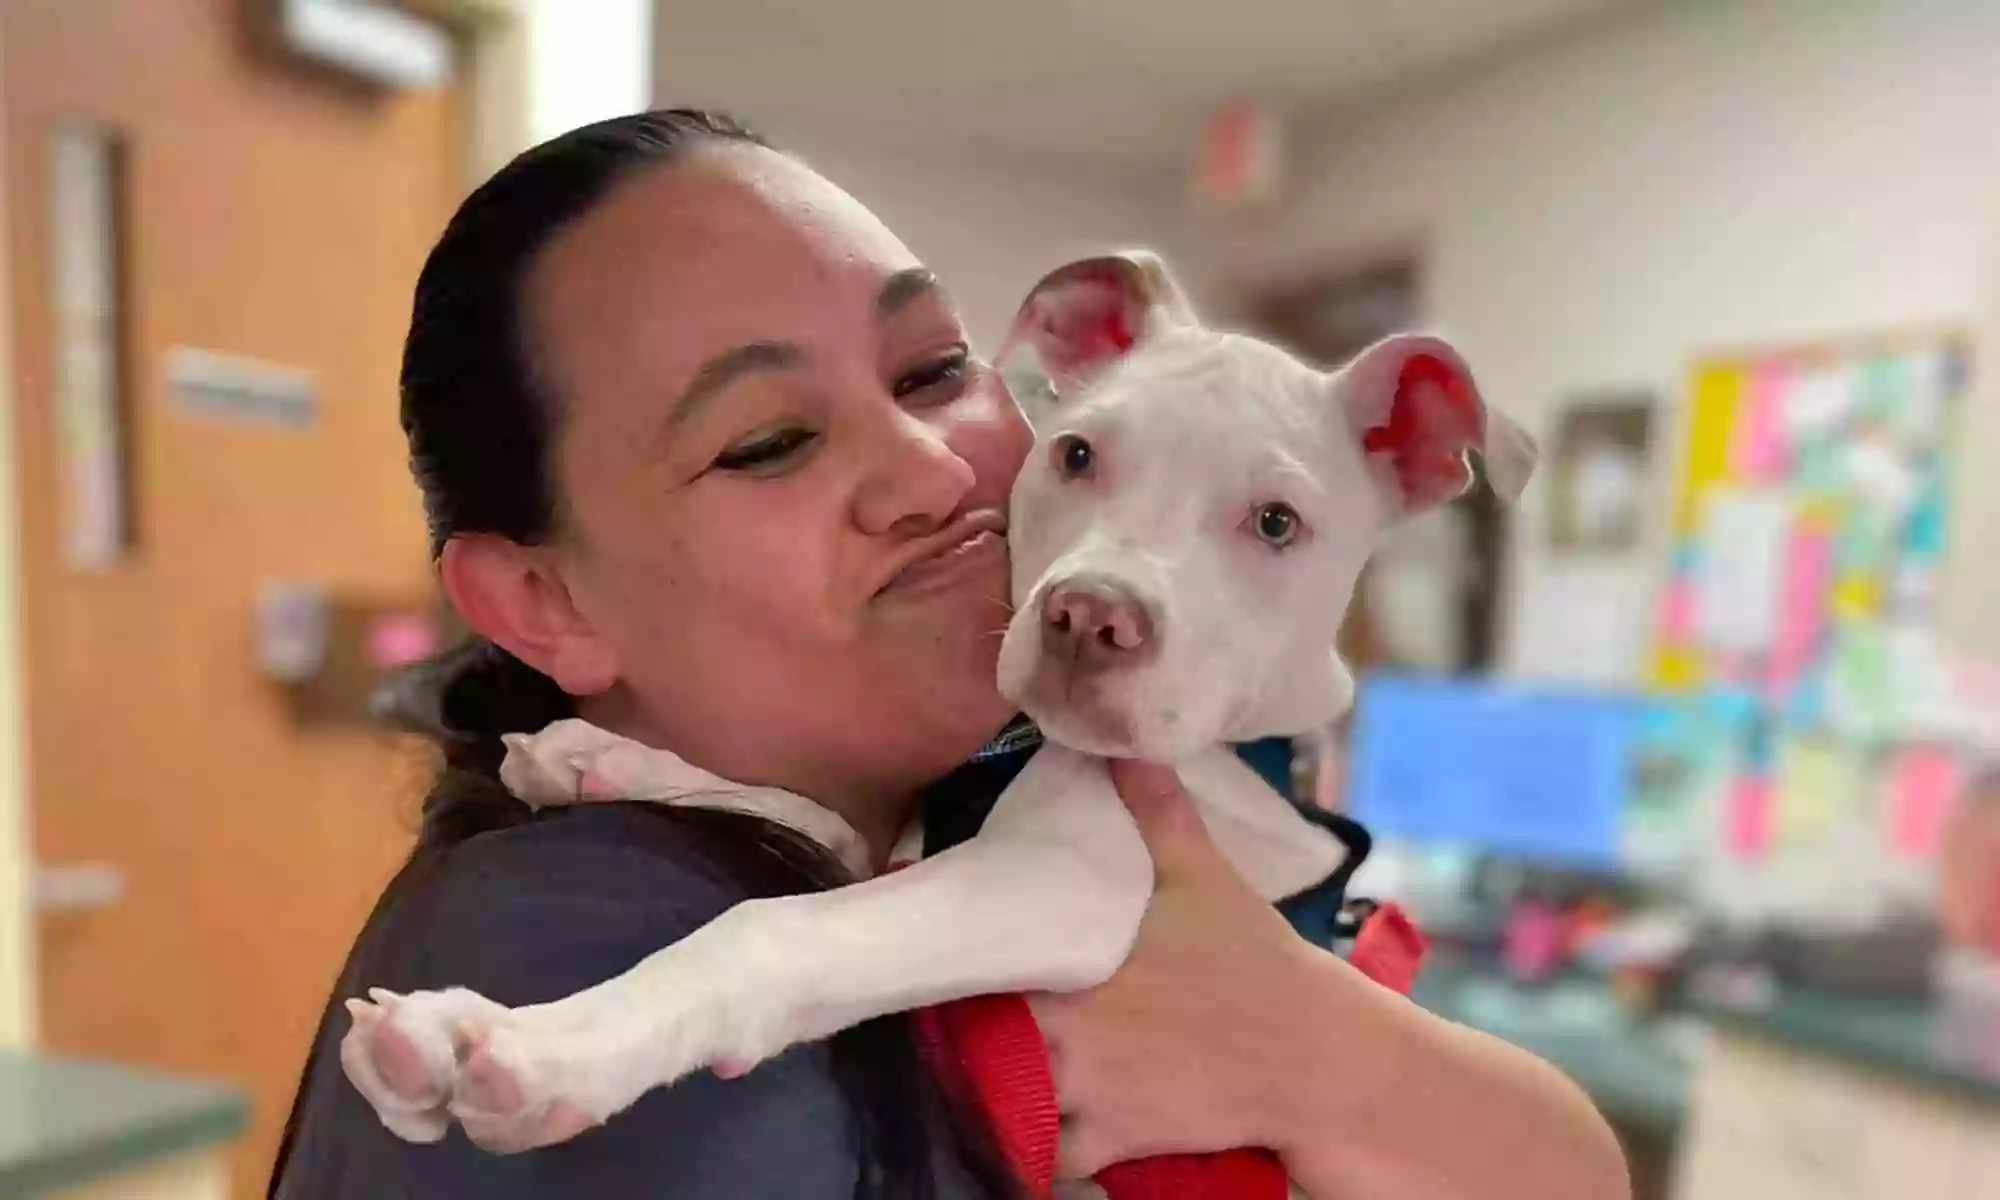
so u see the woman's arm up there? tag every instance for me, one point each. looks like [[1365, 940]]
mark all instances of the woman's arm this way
[[1224, 1029], [537, 912], [1436, 1110]]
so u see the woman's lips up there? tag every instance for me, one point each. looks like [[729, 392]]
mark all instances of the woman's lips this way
[[970, 556]]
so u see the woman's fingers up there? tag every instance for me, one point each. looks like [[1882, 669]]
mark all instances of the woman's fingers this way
[[1165, 813]]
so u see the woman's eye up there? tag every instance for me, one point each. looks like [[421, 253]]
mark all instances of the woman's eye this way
[[765, 452], [949, 368], [1277, 525]]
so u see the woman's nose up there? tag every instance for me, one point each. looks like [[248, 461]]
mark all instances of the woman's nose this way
[[915, 481]]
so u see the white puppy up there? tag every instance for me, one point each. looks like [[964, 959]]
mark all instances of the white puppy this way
[[1185, 539]]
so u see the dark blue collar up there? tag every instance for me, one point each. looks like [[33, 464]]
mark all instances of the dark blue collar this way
[[956, 806]]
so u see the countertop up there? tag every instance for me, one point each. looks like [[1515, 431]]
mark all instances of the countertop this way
[[1913, 1040], [65, 1123], [1638, 1072]]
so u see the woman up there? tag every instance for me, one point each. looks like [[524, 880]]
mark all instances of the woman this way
[[682, 411]]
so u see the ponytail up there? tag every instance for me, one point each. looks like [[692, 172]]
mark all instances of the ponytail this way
[[465, 701]]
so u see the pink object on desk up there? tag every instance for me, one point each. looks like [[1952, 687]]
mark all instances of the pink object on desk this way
[[1532, 944], [1969, 867]]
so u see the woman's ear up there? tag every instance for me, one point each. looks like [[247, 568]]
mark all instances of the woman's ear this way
[[1082, 317], [514, 596]]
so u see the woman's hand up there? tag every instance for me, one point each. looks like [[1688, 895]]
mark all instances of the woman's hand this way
[[1184, 1050], [1224, 1029]]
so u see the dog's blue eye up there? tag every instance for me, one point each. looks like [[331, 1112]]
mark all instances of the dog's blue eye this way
[[1276, 524], [1074, 456]]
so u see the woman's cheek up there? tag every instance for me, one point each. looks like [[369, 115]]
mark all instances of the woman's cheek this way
[[991, 434]]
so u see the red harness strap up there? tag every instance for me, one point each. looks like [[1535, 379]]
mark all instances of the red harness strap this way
[[995, 1046]]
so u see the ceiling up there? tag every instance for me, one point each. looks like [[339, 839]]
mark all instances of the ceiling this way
[[1128, 81]]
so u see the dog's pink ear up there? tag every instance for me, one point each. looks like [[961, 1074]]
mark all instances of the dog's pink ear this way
[[1411, 403], [1084, 316]]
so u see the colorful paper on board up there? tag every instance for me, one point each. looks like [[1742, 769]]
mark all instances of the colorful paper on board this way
[[1866, 542], [1857, 598], [1804, 708], [1742, 573], [1818, 403], [1677, 612], [1747, 819], [1923, 783], [1759, 445], [1923, 537], [1819, 468], [1801, 604], [1677, 669], [1718, 392], [1919, 421], [1816, 787], [1883, 387]]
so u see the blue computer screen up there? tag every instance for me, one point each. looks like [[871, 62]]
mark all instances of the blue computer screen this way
[[1526, 772]]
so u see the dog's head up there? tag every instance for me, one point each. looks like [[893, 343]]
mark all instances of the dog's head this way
[[1187, 534]]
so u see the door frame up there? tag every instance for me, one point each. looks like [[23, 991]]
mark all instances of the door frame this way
[[17, 916]]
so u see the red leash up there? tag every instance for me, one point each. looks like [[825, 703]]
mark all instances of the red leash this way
[[999, 1052]]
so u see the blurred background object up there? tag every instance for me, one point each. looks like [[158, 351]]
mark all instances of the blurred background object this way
[[1687, 761]]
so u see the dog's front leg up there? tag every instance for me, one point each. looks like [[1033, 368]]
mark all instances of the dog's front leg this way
[[1047, 898]]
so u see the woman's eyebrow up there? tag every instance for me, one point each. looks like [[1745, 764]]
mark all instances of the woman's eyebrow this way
[[718, 373], [715, 376], [902, 289]]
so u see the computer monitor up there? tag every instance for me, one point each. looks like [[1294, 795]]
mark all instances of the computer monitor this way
[[1532, 773]]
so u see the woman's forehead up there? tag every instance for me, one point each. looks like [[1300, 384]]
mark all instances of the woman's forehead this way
[[728, 245], [725, 223]]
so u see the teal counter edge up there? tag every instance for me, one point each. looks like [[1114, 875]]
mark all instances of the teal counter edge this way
[[156, 1120], [1907, 1041]]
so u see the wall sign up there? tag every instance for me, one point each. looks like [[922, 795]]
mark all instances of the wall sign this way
[[237, 389], [377, 43]]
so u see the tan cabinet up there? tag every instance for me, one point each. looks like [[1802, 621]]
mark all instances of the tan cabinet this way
[[1769, 1123]]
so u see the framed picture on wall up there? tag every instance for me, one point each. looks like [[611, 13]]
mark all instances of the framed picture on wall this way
[[91, 372], [1599, 465]]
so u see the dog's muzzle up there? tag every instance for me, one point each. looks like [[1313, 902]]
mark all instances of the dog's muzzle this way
[[1091, 624]]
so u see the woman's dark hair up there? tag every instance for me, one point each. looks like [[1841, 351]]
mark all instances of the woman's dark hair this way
[[480, 429]]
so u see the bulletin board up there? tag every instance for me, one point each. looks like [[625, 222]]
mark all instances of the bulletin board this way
[[1796, 625]]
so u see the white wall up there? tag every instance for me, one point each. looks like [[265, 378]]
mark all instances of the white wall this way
[[990, 223], [541, 67], [587, 61], [1707, 176]]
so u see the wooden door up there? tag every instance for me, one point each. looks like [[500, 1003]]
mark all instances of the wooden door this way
[[280, 215]]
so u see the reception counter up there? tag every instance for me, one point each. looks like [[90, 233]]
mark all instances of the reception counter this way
[[1808, 1095], [89, 1131]]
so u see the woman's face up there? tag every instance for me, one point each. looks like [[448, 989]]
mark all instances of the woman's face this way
[[784, 480]]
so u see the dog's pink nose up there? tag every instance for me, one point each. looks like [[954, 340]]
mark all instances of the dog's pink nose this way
[[1096, 624]]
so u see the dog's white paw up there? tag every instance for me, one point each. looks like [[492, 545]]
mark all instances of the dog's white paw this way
[[518, 1079], [524, 1084], [403, 1054], [541, 1075]]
